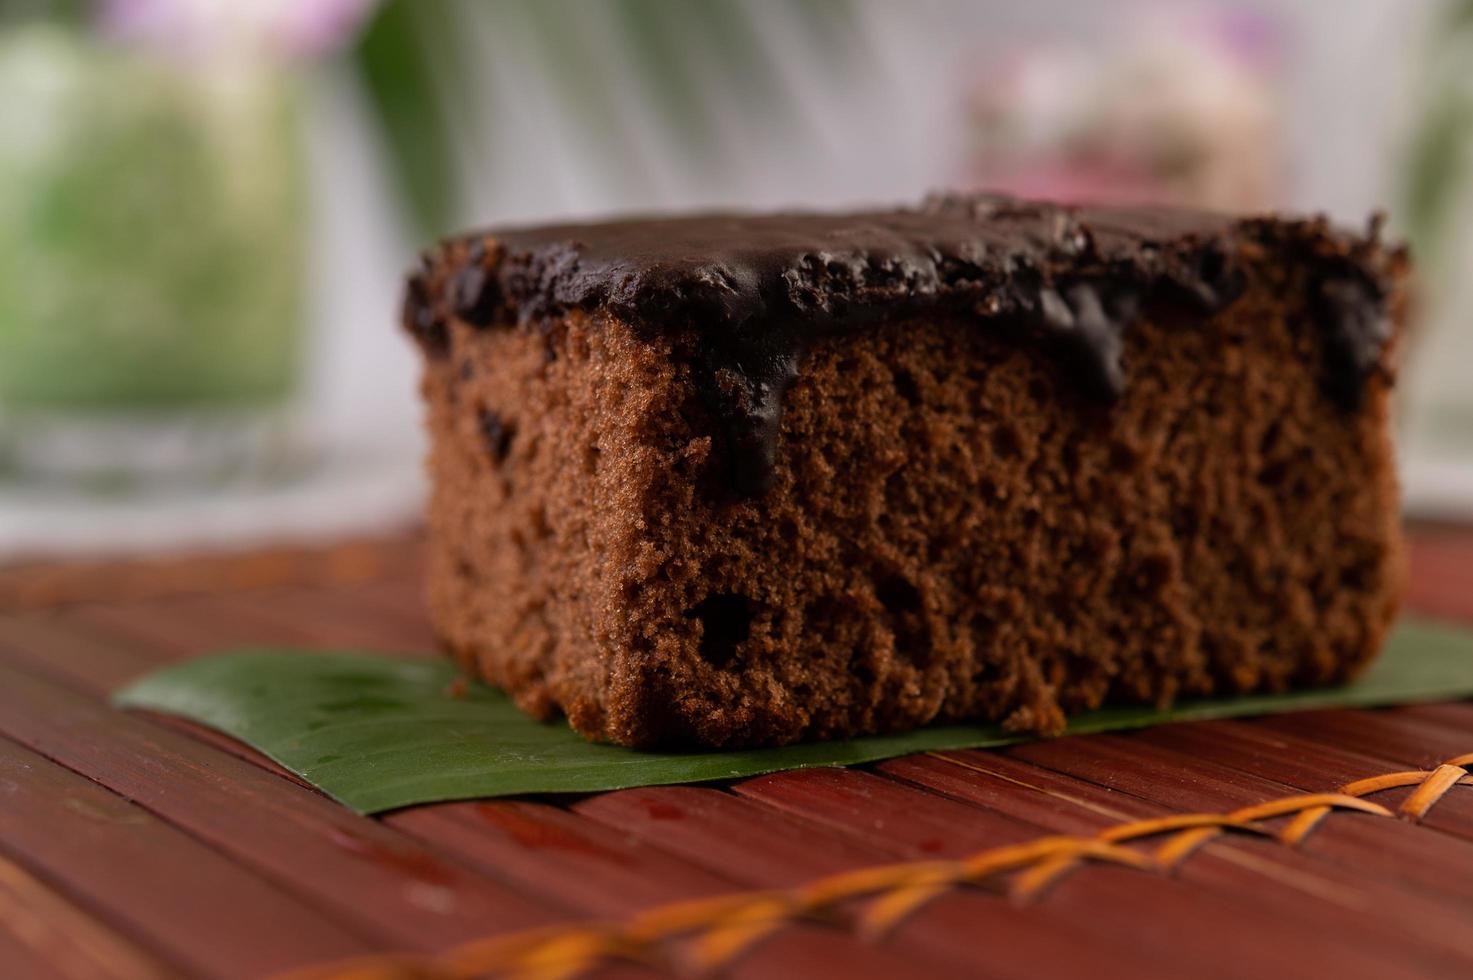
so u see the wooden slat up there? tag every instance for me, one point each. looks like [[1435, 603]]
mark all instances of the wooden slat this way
[[1315, 895], [1418, 737], [50, 643], [1192, 929], [45, 934], [1412, 738], [1296, 762], [406, 595], [52, 646], [361, 611], [606, 875], [365, 872], [24, 962], [196, 908], [1455, 716], [43, 584], [1380, 849], [181, 626], [582, 862], [762, 847], [170, 629], [340, 617]]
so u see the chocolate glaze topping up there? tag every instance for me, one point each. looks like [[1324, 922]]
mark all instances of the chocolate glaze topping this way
[[747, 293]]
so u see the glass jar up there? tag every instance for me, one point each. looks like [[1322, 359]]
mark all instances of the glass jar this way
[[1436, 399], [152, 243]]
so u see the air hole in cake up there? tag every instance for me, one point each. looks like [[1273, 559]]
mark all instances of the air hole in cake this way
[[1123, 458], [895, 493], [726, 622], [1005, 442], [1273, 475], [862, 669], [1063, 608], [1184, 523], [1070, 458], [541, 527], [497, 434], [1357, 576], [820, 615], [1270, 439], [902, 600], [905, 386], [1155, 572]]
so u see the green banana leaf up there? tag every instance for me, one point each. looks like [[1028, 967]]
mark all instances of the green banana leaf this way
[[377, 733]]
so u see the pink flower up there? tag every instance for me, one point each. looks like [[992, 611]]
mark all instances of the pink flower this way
[[281, 28], [1180, 109]]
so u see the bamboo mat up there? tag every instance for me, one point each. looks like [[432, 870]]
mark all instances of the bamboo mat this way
[[136, 846]]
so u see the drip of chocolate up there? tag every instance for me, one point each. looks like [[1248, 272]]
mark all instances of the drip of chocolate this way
[[1356, 326], [496, 433], [752, 291]]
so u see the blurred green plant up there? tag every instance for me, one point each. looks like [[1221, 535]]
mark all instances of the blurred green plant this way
[[151, 230], [15, 11], [411, 62], [1441, 159], [417, 61]]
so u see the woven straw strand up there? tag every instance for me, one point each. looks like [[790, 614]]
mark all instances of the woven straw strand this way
[[703, 935]]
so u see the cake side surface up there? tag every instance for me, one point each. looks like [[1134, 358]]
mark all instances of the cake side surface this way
[[957, 524]]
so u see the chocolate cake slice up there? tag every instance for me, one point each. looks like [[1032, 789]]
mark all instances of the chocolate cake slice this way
[[737, 480]]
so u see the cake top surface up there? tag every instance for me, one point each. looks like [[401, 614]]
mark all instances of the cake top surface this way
[[754, 289], [731, 267]]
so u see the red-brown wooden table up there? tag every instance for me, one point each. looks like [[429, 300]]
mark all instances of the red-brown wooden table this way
[[139, 846]]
